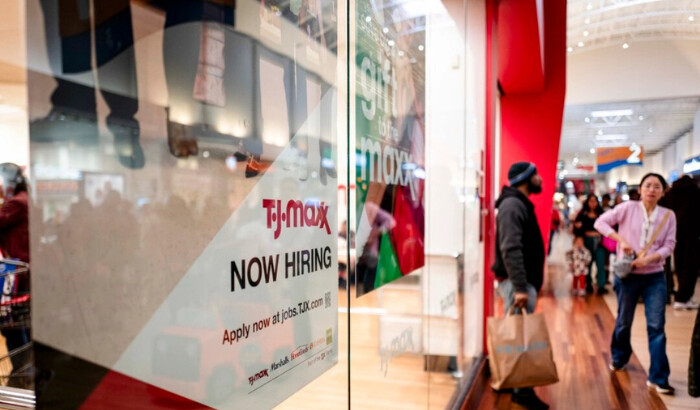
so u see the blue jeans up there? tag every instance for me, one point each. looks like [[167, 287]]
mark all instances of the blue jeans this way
[[597, 257], [652, 289], [507, 292]]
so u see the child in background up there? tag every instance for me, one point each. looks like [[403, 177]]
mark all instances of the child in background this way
[[578, 258]]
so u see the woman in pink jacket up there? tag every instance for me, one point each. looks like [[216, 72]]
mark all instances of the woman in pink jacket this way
[[638, 222]]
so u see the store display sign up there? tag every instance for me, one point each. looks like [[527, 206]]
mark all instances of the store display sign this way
[[692, 166], [390, 141], [612, 157], [194, 262], [256, 314]]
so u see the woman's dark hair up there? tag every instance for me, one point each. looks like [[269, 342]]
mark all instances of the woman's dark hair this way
[[598, 209], [661, 179]]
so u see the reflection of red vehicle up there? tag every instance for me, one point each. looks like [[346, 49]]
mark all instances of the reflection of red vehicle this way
[[191, 358]]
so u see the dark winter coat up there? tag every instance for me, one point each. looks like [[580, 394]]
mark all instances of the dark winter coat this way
[[694, 365], [684, 199], [520, 248]]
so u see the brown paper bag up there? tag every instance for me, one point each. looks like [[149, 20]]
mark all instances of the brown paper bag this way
[[520, 353]]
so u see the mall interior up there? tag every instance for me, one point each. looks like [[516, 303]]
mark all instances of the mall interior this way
[[375, 140]]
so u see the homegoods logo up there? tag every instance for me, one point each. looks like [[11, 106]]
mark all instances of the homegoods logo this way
[[295, 214]]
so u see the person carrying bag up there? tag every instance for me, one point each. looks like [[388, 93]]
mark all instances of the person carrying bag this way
[[623, 266], [519, 267], [649, 230]]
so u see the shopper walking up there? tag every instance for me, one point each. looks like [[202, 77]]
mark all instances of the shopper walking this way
[[606, 205], [684, 200], [578, 258], [520, 252], [14, 243], [554, 226], [647, 231], [584, 226], [14, 214]]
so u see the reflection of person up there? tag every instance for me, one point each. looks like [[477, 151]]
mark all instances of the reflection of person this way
[[382, 222], [579, 259], [14, 243], [584, 226], [684, 200], [520, 252], [70, 23], [14, 214], [641, 223]]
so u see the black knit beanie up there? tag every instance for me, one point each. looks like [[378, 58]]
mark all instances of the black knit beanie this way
[[521, 172]]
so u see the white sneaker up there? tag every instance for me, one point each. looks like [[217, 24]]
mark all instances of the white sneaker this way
[[689, 305], [692, 305], [662, 389], [582, 292]]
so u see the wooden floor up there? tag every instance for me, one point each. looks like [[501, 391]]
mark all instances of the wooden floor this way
[[679, 329], [406, 385], [580, 331]]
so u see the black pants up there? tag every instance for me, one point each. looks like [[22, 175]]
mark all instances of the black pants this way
[[72, 55], [687, 267]]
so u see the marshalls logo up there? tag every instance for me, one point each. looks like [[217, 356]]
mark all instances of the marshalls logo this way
[[295, 214]]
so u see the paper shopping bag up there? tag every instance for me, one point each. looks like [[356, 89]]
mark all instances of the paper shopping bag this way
[[520, 353]]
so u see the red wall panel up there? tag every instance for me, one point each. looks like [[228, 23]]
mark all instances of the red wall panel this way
[[520, 51], [531, 122]]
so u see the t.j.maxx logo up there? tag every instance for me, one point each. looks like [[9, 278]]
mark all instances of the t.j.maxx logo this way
[[295, 214]]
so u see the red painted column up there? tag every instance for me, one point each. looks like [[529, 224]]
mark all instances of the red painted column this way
[[531, 120]]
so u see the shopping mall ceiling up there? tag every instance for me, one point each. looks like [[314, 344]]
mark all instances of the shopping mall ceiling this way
[[594, 24], [651, 124], [614, 29]]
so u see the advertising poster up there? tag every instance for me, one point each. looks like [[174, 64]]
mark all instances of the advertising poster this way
[[390, 143], [254, 319], [194, 262], [612, 157]]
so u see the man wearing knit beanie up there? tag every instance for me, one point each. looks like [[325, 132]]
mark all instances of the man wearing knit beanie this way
[[520, 252]]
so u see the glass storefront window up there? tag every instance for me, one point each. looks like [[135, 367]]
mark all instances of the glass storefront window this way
[[255, 203]]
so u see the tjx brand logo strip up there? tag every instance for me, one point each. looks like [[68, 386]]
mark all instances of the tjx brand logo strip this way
[[295, 214]]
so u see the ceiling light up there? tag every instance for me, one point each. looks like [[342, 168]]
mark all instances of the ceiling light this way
[[651, 129], [587, 21], [641, 118], [587, 120], [691, 18], [421, 48], [611, 137], [401, 53], [368, 19], [611, 113], [569, 49], [391, 43], [580, 44], [205, 154], [592, 151], [625, 46], [585, 33], [589, 6], [600, 132]]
